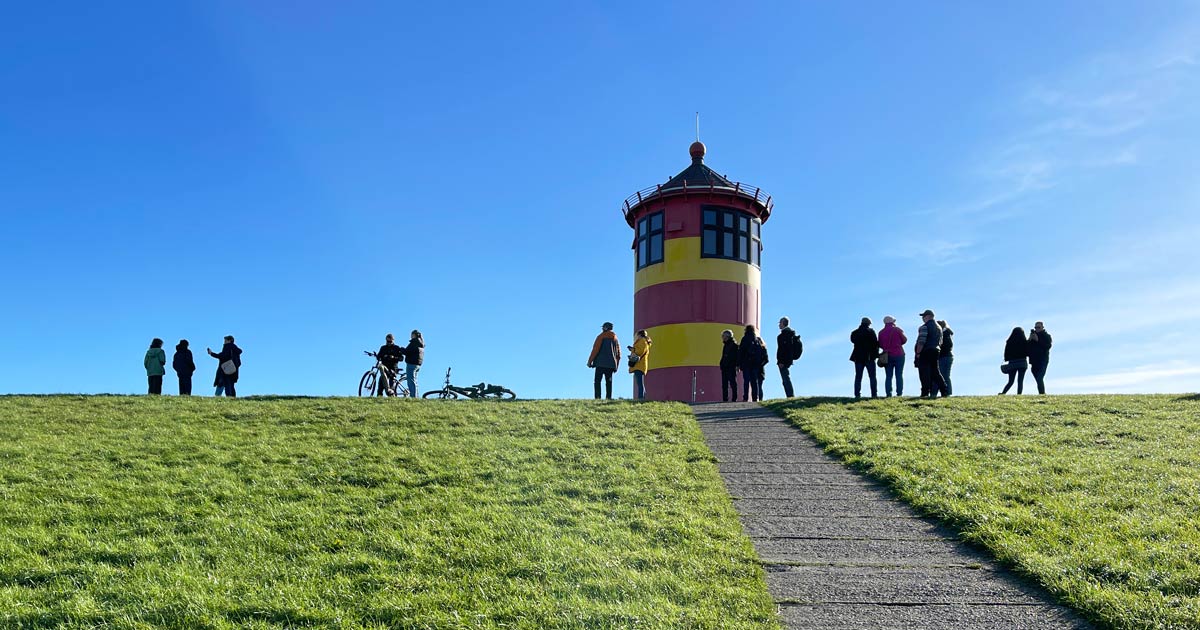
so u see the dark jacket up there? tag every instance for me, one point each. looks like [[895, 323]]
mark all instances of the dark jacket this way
[[1039, 347], [228, 351], [414, 352], [606, 351], [783, 346], [182, 362], [947, 343], [1016, 349], [390, 355], [751, 354], [729, 356], [866, 345]]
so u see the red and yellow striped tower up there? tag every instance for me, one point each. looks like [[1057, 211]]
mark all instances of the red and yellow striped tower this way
[[697, 256]]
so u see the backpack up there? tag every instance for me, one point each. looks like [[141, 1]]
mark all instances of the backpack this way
[[797, 348]]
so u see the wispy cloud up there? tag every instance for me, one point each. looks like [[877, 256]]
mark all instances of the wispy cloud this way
[[1161, 375]]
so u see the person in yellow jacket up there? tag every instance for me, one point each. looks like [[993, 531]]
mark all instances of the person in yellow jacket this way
[[641, 350]]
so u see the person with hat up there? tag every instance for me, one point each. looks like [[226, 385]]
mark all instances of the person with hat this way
[[891, 341], [928, 351], [605, 357]]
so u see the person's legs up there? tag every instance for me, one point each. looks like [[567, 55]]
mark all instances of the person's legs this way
[[639, 385], [230, 387], [728, 384], [410, 372], [747, 377], [785, 375], [762, 376], [596, 381], [923, 374], [874, 382], [608, 376], [1012, 378], [937, 385], [185, 385], [899, 375], [1039, 375], [858, 370], [220, 391], [1020, 381], [381, 386], [756, 387], [888, 371], [944, 365], [155, 385]]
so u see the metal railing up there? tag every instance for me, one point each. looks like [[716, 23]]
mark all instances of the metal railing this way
[[746, 191]]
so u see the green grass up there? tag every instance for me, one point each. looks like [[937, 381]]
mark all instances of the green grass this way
[[124, 512], [1095, 497]]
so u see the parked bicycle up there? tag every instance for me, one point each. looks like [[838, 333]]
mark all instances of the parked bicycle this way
[[380, 376], [474, 392]]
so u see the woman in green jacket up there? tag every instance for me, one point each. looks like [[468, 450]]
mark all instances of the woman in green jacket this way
[[155, 362]]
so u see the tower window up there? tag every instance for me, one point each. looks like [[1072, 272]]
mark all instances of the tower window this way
[[650, 240], [731, 234]]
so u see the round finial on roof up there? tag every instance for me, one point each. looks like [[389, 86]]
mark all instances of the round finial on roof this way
[[697, 150]]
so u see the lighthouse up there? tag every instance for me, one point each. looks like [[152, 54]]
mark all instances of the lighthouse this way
[[697, 253]]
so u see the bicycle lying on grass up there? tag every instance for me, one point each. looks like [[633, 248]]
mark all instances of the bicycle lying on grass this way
[[474, 392], [380, 376]]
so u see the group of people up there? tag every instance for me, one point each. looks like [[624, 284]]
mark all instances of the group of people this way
[[750, 357], [390, 355], [229, 365], [606, 356], [934, 350]]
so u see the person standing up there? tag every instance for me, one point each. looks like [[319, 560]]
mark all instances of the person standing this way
[[928, 351], [866, 352], [891, 341], [946, 355], [641, 350], [729, 366], [414, 357], [788, 348], [1039, 354], [184, 367], [229, 366], [750, 360], [605, 357], [1016, 359], [155, 362], [390, 355]]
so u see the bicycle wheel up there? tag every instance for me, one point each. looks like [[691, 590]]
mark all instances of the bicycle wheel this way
[[440, 394], [366, 387], [506, 394]]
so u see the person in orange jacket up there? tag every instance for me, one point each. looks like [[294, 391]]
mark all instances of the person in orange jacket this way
[[605, 357], [638, 368]]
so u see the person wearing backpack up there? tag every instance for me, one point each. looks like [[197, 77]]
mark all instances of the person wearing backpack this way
[[184, 367], [639, 359], [750, 360], [864, 356], [605, 357], [229, 365], [729, 366], [155, 362], [788, 349]]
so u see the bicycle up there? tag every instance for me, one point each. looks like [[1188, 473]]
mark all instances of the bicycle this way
[[481, 391], [370, 381]]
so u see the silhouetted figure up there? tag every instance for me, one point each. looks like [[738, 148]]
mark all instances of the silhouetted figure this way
[[155, 362], [729, 366], [1039, 354], [229, 366], [866, 352], [946, 356], [1016, 353], [891, 341], [788, 349], [184, 367], [390, 355], [751, 359], [414, 358], [929, 350], [605, 357]]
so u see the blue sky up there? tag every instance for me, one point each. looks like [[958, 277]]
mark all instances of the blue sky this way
[[311, 176]]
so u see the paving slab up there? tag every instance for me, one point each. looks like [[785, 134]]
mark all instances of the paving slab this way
[[840, 551]]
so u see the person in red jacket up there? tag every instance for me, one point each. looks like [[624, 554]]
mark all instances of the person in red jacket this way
[[891, 341], [605, 357]]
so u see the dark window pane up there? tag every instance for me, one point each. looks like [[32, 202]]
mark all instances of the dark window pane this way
[[710, 243], [744, 253], [755, 254], [642, 227], [641, 253], [756, 227], [656, 222], [656, 248], [727, 244], [710, 217], [727, 219], [745, 223]]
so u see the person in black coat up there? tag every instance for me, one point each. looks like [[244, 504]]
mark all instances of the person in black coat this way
[[390, 355], [1039, 354], [1016, 357], [225, 382], [786, 348], [414, 356], [729, 366], [184, 367], [750, 360], [866, 352]]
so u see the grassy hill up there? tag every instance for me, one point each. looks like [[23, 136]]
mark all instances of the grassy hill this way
[[134, 512], [1096, 497]]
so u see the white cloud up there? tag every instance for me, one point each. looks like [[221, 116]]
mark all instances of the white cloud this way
[[1159, 375]]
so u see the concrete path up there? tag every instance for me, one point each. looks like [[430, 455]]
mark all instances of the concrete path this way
[[841, 553]]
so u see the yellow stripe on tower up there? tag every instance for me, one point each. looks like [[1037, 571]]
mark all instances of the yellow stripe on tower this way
[[699, 344], [682, 261]]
